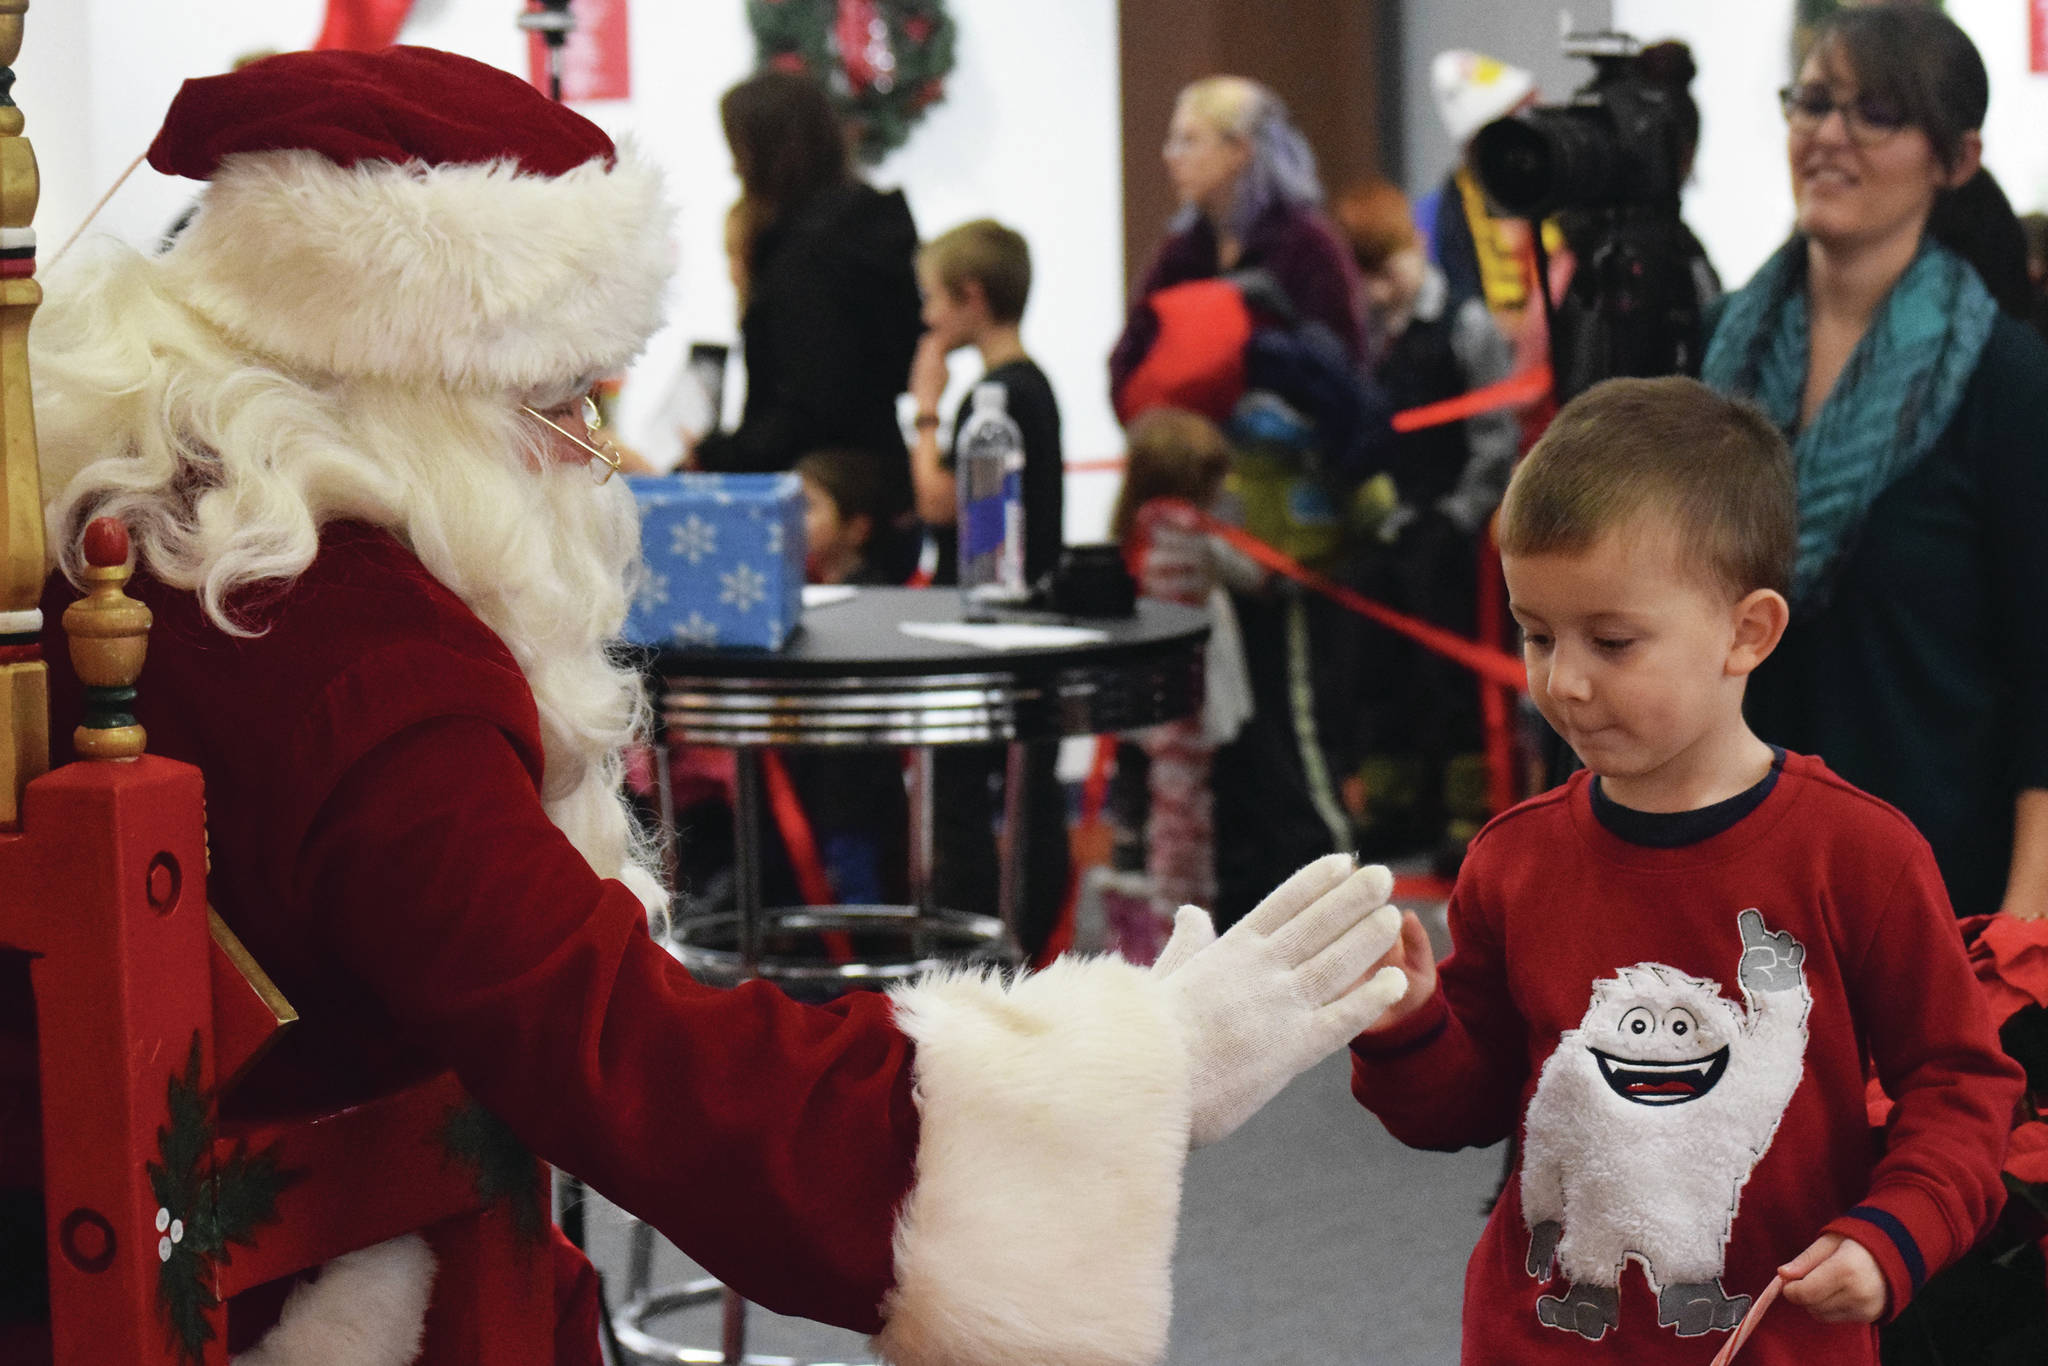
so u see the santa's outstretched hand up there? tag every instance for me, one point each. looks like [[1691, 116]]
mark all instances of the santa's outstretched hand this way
[[1282, 989]]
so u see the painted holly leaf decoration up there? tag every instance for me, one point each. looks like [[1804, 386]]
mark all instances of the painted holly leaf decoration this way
[[206, 1204], [501, 1165]]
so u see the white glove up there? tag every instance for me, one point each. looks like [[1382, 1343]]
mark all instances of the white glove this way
[[1275, 995]]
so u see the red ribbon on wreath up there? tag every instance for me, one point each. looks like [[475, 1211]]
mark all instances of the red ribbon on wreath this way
[[858, 43]]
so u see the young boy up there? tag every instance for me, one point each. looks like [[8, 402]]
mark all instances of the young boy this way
[[976, 280], [843, 507], [1672, 972]]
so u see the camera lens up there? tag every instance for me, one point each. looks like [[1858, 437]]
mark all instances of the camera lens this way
[[1540, 161], [1515, 163]]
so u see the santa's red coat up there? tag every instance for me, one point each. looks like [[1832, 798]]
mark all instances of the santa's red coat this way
[[372, 764]]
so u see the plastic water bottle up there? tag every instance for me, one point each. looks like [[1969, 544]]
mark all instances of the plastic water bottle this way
[[990, 478]]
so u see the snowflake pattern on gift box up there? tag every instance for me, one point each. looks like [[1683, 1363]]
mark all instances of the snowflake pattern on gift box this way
[[653, 592], [693, 538], [775, 538], [743, 588], [698, 630]]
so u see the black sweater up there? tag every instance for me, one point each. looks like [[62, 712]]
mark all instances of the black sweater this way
[[1925, 678], [832, 319]]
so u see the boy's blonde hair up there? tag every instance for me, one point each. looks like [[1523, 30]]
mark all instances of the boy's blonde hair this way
[[991, 255], [1714, 467]]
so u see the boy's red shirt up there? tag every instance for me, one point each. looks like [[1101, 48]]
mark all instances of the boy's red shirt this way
[[1733, 1103]]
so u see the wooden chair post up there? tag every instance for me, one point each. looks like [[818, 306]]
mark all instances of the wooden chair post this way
[[106, 888], [24, 684]]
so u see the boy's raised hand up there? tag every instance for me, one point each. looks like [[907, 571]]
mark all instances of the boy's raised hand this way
[[1417, 960], [928, 373], [1836, 1280]]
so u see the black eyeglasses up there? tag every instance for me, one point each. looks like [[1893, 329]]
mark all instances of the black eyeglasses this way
[[1867, 119]]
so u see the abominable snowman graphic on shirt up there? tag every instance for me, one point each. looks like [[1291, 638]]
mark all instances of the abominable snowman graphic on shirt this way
[[1646, 1123]]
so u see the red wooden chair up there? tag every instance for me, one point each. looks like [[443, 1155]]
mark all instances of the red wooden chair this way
[[158, 1211], [146, 1008]]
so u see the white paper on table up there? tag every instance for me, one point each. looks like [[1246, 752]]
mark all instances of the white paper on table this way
[[1003, 635], [825, 594]]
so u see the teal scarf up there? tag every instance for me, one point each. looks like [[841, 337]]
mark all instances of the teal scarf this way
[[1892, 402]]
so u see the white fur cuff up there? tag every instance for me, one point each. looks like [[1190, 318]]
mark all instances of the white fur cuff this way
[[367, 1308], [1054, 1120]]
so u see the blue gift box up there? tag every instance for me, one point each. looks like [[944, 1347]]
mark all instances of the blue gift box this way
[[724, 560]]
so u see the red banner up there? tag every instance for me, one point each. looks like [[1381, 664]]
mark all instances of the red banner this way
[[2037, 24], [596, 60], [362, 25]]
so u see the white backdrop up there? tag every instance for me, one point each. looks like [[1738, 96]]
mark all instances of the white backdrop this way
[[1740, 202], [1029, 133]]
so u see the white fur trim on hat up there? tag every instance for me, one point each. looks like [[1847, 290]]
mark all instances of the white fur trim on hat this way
[[1473, 89], [1053, 1130], [368, 1308], [477, 277]]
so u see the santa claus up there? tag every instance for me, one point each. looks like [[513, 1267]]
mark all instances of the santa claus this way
[[338, 415]]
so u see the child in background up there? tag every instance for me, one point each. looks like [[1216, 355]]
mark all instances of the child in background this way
[[1418, 718], [842, 504], [1714, 1135], [1163, 796], [854, 800], [975, 281]]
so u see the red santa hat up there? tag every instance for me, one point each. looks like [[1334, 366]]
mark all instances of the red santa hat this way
[[412, 214]]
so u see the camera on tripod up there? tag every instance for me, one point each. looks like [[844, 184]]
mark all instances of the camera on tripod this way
[[1616, 143], [1608, 166]]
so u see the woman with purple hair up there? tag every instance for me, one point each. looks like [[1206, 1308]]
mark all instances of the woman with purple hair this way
[[1249, 200]]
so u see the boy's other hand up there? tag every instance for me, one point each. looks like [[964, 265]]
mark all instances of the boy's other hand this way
[[928, 373], [1413, 955], [1836, 1280]]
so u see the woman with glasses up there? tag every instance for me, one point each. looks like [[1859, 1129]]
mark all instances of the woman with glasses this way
[[1916, 664]]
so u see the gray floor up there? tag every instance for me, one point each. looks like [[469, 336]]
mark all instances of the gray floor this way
[[1310, 1237]]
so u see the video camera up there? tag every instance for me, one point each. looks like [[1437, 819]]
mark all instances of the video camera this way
[[1618, 143]]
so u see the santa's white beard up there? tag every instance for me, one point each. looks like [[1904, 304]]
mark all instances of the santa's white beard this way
[[558, 602], [224, 469], [544, 558]]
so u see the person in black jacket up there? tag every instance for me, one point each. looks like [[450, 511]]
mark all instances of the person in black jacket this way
[[832, 308]]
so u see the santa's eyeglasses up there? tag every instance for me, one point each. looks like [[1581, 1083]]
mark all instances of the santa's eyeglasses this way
[[603, 458]]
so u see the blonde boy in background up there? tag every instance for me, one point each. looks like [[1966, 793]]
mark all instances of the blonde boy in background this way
[[976, 280]]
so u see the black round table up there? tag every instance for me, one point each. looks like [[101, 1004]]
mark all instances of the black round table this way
[[851, 676]]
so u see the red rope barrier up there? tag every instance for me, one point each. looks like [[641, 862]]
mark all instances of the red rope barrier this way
[[1491, 664], [1496, 705], [802, 848], [1516, 391]]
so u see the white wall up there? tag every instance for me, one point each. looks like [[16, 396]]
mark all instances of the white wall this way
[[1740, 202], [1028, 133]]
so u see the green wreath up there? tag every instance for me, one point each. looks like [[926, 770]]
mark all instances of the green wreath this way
[[884, 62]]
